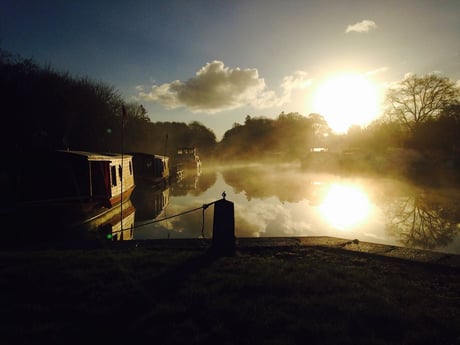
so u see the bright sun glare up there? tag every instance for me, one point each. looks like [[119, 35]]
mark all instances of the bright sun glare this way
[[346, 100], [344, 206]]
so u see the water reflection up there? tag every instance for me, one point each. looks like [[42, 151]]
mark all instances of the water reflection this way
[[286, 201], [264, 181], [44, 223], [121, 226], [422, 217], [184, 194], [194, 184], [185, 185], [345, 206], [185, 226], [150, 201]]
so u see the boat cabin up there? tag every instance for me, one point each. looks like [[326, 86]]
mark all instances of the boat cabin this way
[[74, 176], [150, 169], [188, 158]]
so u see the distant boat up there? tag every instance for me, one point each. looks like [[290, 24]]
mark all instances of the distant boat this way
[[60, 190], [150, 169], [187, 158], [319, 159]]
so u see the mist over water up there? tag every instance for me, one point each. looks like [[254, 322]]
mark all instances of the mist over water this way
[[283, 200]]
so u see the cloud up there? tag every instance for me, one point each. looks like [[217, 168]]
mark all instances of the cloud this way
[[377, 71], [216, 87], [297, 81], [362, 26]]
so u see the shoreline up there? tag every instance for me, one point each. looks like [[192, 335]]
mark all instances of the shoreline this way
[[286, 244], [354, 246]]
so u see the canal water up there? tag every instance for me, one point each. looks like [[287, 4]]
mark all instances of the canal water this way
[[284, 200]]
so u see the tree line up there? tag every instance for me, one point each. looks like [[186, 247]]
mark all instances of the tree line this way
[[47, 109]]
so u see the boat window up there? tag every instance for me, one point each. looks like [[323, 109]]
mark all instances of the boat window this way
[[130, 168], [120, 172], [113, 176]]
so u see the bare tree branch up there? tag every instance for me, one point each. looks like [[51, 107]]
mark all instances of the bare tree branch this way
[[417, 99]]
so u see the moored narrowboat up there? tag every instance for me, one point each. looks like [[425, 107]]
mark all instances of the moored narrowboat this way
[[48, 178], [60, 190], [150, 170]]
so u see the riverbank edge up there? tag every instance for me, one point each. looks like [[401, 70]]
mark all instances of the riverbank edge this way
[[286, 243], [279, 243]]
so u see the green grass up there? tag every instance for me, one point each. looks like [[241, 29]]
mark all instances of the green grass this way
[[289, 295]]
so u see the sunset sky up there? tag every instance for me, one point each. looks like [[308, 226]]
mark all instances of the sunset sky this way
[[218, 61]]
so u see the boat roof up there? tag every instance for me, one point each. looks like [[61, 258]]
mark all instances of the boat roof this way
[[95, 156], [143, 154]]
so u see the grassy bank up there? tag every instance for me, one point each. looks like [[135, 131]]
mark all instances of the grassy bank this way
[[262, 295]]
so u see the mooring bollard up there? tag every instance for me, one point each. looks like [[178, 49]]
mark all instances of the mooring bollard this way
[[223, 230]]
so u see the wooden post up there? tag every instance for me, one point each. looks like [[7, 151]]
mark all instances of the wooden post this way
[[223, 231]]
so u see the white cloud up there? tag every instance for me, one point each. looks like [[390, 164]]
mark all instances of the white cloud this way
[[378, 70], [297, 81], [216, 87], [362, 26]]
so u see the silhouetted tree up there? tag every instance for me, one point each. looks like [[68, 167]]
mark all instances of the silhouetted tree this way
[[43, 108], [136, 111], [415, 100], [248, 140], [449, 123], [48, 109], [288, 137], [202, 138], [381, 135]]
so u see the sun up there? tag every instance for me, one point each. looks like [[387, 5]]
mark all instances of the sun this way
[[346, 100]]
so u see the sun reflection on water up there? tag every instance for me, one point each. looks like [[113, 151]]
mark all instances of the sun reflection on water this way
[[345, 206]]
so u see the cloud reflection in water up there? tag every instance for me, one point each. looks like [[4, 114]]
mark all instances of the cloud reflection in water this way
[[285, 201]]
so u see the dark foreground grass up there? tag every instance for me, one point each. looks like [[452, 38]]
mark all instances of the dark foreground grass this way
[[289, 295]]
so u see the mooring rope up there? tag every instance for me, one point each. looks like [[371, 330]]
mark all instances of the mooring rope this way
[[202, 207]]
